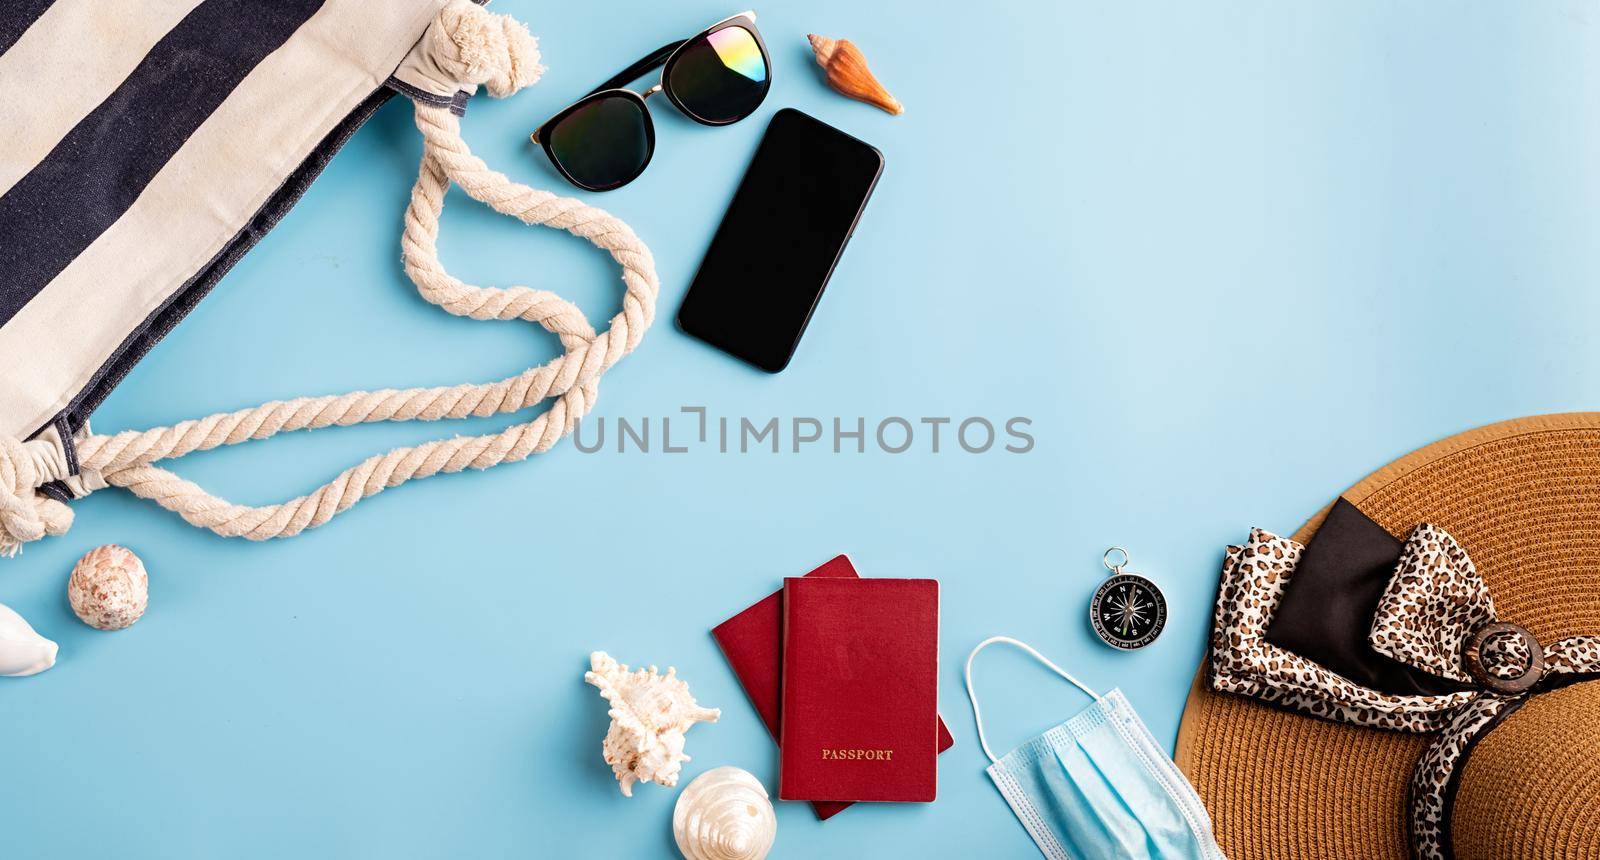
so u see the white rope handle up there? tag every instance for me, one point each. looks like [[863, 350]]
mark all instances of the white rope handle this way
[[977, 716], [571, 380]]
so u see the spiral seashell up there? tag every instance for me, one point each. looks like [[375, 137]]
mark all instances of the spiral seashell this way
[[109, 588], [846, 70], [724, 814]]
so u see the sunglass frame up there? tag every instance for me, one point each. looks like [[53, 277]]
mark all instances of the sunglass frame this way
[[666, 57]]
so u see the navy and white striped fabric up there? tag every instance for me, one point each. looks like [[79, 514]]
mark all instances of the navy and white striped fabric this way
[[145, 146]]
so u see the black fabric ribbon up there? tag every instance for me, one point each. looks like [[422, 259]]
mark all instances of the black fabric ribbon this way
[[1326, 611]]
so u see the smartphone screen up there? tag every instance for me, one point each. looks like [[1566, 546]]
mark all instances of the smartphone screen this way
[[780, 240]]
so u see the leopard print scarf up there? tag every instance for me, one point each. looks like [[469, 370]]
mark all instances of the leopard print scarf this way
[[1436, 615]]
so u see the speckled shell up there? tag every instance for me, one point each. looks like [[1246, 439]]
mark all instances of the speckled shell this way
[[22, 651], [649, 715], [109, 588], [724, 814]]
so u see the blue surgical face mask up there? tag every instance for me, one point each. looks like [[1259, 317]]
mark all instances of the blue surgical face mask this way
[[1098, 785]]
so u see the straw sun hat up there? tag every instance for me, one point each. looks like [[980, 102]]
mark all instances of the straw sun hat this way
[[1514, 510]]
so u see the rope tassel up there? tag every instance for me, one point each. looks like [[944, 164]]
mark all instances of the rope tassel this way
[[481, 48]]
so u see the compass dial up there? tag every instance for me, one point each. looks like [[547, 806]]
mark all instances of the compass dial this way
[[1128, 611]]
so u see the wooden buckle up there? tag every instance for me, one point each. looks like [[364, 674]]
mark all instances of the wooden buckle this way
[[1472, 659]]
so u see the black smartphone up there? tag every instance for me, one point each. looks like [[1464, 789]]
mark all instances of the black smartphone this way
[[780, 239]]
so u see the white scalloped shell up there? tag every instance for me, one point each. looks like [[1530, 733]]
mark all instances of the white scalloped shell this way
[[724, 814]]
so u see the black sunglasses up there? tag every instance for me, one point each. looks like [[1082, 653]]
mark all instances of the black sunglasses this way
[[605, 139]]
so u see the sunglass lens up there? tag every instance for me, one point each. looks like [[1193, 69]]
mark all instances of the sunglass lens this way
[[603, 143], [720, 77]]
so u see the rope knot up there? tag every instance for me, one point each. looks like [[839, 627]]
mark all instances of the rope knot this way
[[25, 513], [479, 47]]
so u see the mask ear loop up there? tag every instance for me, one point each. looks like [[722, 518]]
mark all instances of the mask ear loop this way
[[977, 717]]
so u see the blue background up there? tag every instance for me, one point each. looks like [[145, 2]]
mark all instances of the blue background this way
[[1227, 257]]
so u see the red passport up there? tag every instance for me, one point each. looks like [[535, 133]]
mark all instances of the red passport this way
[[860, 689], [753, 643]]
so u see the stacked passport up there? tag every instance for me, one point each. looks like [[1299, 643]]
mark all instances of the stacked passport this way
[[844, 671]]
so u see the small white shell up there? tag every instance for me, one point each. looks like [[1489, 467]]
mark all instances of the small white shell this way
[[22, 651], [724, 814], [109, 588], [649, 715]]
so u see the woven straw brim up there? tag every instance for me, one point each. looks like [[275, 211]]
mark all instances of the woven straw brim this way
[[1523, 498], [1502, 813]]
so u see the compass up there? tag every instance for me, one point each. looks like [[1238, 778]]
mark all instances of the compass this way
[[1128, 610]]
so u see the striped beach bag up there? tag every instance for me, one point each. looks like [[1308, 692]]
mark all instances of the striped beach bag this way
[[146, 145]]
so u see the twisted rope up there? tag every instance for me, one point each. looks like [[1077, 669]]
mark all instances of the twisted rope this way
[[495, 50]]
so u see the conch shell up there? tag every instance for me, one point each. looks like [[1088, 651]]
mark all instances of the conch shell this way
[[724, 814], [848, 73], [22, 651], [649, 715]]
